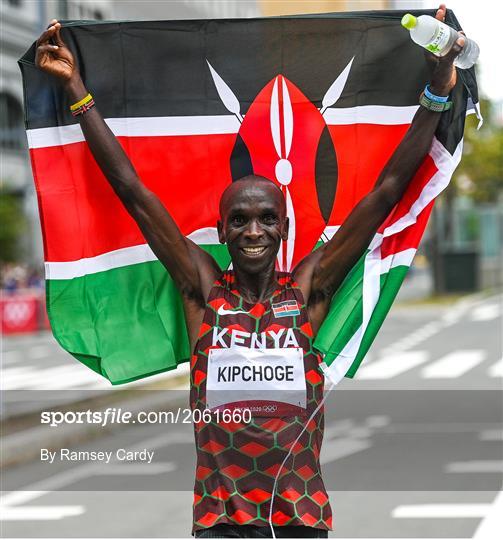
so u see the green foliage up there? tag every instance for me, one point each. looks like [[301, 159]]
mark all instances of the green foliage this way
[[12, 226], [480, 173]]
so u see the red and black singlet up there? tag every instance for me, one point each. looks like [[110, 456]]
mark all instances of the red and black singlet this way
[[236, 363]]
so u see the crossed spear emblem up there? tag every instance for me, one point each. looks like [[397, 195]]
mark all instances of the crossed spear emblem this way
[[283, 169]]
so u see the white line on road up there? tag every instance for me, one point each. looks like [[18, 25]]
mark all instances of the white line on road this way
[[392, 365], [429, 511], [496, 370], [40, 351], [491, 435], [453, 365], [340, 448], [37, 378], [39, 513], [10, 357], [486, 466], [413, 339], [486, 312], [137, 468], [12, 373], [490, 528]]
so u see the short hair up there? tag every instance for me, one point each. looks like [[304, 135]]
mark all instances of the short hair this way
[[248, 178]]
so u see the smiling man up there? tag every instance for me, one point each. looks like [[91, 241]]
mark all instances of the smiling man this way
[[251, 329]]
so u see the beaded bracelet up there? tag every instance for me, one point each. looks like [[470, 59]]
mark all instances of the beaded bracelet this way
[[435, 106], [82, 106]]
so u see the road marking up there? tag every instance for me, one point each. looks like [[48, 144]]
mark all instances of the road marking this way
[[10, 373], [340, 448], [38, 377], [392, 365], [490, 528], [433, 511], [486, 312], [413, 339], [491, 435], [453, 365], [439, 427], [487, 466], [71, 378], [496, 370], [10, 357], [39, 351], [136, 468], [39, 513]]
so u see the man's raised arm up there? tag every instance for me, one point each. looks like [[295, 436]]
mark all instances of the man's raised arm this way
[[192, 269], [321, 273]]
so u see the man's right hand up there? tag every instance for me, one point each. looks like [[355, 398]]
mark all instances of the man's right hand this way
[[53, 56]]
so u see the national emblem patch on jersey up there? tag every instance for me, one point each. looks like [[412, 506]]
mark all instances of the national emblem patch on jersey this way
[[288, 308]]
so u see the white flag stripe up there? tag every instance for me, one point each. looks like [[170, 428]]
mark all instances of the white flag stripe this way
[[287, 118], [454, 364], [392, 365], [370, 114], [274, 118], [165, 126], [142, 253], [445, 163], [118, 258], [429, 511], [496, 370], [154, 126], [402, 258]]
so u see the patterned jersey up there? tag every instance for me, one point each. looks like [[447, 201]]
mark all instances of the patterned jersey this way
[[237, 462]]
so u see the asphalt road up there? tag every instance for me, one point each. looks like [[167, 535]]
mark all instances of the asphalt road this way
[[413, 446]]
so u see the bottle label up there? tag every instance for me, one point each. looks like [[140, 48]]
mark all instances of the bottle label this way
[[440, 40]]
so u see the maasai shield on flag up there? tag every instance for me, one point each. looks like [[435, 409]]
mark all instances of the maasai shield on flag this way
[[317, 104]]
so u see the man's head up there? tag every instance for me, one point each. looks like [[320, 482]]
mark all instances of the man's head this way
[[253, 222]]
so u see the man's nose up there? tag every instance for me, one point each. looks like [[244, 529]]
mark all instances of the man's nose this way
[[253, 231]]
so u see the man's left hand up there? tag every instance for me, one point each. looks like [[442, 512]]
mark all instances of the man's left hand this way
[[443, 77]]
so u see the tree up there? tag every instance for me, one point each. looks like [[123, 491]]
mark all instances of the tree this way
[[480, 173], [13, 224]]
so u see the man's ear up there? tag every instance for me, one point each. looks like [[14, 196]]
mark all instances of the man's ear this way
[[220, 230], [284, 232]]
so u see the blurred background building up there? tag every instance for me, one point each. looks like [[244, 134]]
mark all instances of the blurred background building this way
[[468, 217]]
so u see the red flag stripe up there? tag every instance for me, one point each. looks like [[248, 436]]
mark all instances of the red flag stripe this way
[[77, 205]]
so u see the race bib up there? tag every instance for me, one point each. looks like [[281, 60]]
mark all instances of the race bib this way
[[269, 382]]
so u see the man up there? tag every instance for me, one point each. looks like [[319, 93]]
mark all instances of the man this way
[[251, 329]]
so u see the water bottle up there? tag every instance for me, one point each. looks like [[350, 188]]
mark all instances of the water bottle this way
[[438, 38]]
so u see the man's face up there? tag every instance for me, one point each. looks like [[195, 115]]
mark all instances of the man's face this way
[[253, 223]]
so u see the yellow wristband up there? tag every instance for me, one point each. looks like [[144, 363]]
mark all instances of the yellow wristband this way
[[83, 101]]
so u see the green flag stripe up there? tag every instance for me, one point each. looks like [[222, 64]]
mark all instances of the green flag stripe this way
[[346, 313], [124, 323]]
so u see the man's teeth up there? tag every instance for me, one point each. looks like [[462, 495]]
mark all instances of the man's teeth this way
[[253, 250]]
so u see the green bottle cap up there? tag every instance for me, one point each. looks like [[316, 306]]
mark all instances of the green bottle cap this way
[[409, 21]]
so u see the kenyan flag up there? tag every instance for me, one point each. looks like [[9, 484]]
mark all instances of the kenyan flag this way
[[317, 104]]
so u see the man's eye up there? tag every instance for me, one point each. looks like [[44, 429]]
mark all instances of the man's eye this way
[[270, 218], [237, 220]]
